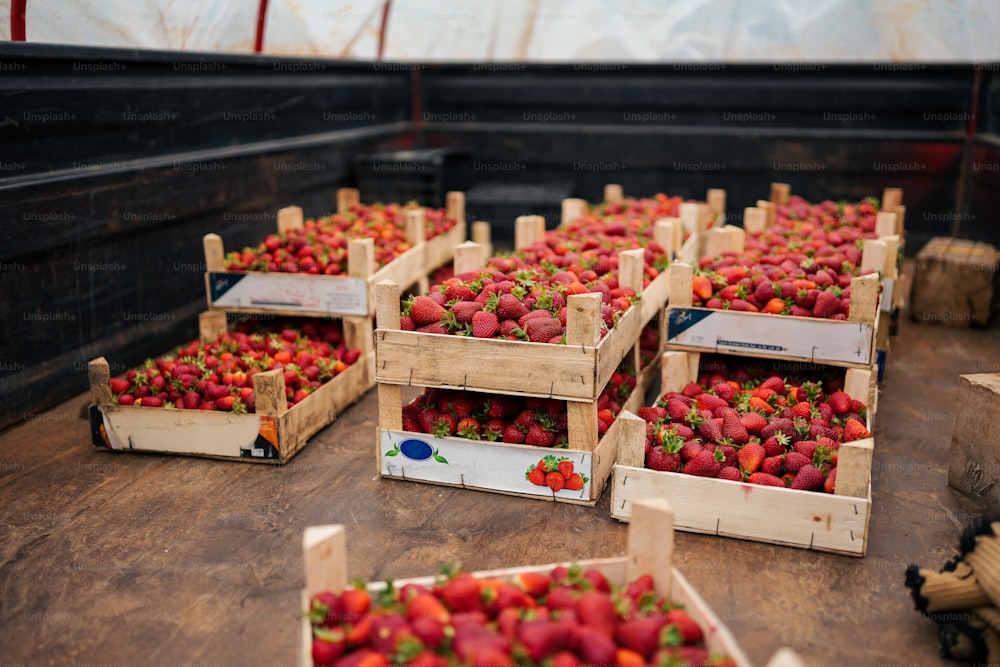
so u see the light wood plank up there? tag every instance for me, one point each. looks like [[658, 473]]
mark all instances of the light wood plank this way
[[716, 198], [754, 220], [651, 542], [289, 218], [864, 298], [854, 467], [632, 438], [572, 208], [324, 550], [269, 392], [780, 193], [583, 320], [892, 197], [346, 198], [581, 418], [469, 256], [416, 226], [455, 205], [681, 275], [613, 193], [99, 376], [215, 254]]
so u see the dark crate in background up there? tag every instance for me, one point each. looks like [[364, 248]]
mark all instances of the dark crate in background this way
[[423, 175], [500, 204]]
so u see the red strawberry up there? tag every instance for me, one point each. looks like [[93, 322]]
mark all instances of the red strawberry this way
[[538, 436], [731, 473], [468, 428], [840, 402], [554, 481], [806, 447], [776, 444], [596, 649], [809, 478], [853, 430], [830, 484], [119, 385], [534, 584], [509, 307], [149, 401], [426, 310], [827, 304], [513, 434], [750, 456], [706, 464], [642, 635], [462, 593], [596, 610], [465, 310], [426, 605], [434, 328], [753, 422], [775, 384], [677, 409], [536, 476], [540, 330], [773, 465], [733, 429], [691, 449], [728, 454], [652, 414], [763, 479], [710, 402], [725, 391], [484, 324], [327, 646], [743, 306], [710, 430], [543, 638], [778, 425], [794, 461], [690, 631]]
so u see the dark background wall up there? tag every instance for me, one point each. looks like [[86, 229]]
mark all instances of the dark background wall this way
[[114, 164]]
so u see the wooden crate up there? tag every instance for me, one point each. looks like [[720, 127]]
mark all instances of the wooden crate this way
[[649, 551], [272, 434], [955, 283], [337, 296], [497, 466], [836, 523], [577, 371], [849, 342], [974, 463]]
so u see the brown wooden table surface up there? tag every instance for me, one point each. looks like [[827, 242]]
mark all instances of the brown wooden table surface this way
[[137, 559]]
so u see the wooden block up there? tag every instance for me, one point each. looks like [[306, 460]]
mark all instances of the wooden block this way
[[573, 208], [769, 209], [455, 203], [974, 462], [416, 229], [873, 256], [269, 393], [780, 192], [289, 218], [583, 319], [675, 370], [955, 282], [613, 193], [631, 265], [864, 298], [900, 212], [650, 546], [885, 223], [387, 305], [725, 239], [690, 218], [346, 198], [754, 220], [669, 233], [390, 406], [716, 199], [681, 275], [581, 418], [211, 325], [892, 197], [524, 232], [469, 256], [215, 254], [631, 440], [482, 233], [325, 553], [360, 258], [99, 375], [891, 268], [854, 468]]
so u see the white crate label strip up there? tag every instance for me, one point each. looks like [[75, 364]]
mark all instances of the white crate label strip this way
[[733, 331], [289, 291], [495, 466], [885, 300]]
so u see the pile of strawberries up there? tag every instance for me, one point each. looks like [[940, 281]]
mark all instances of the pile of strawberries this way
[[566, 618], [770, 432], [802, 265], [540, 422], [320, 246], [218, 375]]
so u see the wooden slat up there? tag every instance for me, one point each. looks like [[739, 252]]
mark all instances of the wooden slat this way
[[769, 211], [681, 275], [289, 218], [215, 254], [269, 393], [632, 438], [613, 193], [892, 197], [415, 223], [667, 232], [583, 320], [482, 233], [99, 376], [455, 205], [754, 220], [651, 542], [873, 257], [324, 550], [854, 466], [211, 325], [716, 198], [780, 192], [469, 256], [864, 298], [581, 419], [675, 371], [346, 198], [573, 208]]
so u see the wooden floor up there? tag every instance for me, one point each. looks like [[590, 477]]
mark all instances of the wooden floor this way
[[132, 559]]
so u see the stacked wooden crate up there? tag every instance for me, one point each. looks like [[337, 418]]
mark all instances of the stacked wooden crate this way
[[275, 431], [576, 372], [835, 522]]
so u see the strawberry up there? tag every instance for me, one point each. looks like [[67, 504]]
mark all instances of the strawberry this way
[[484, 324], [541, 330], [733, 429], [596, 610], [690, 449], [750, 457], [776, 425], [710, 430], [652, 414], [709, 402], [690, 631], [728, 455], [731, 473], [827, 304], [513, 434], [830, 484], [463, 311], [641, 635], [794, 461], [763, 479], [444, 425], [706, 464], [565, 468], [536, 476], [725, 391], [753, 422], [806, 448], [743, 306], [425, 310], [434, 328], [855, 430], [461, 593], [509, 307], [596, 649], [534, 584], [426, 605], [566, 659], [539, 436], [468, 428], [542, 638], [677, 409], [327, 646], [773, 465], [809, 478], [775, 384], [555, 481], [119, 385], [776, 444], [701, 287], [840, 402]]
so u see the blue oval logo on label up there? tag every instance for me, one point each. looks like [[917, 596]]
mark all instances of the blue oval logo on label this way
[[417, 450]]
